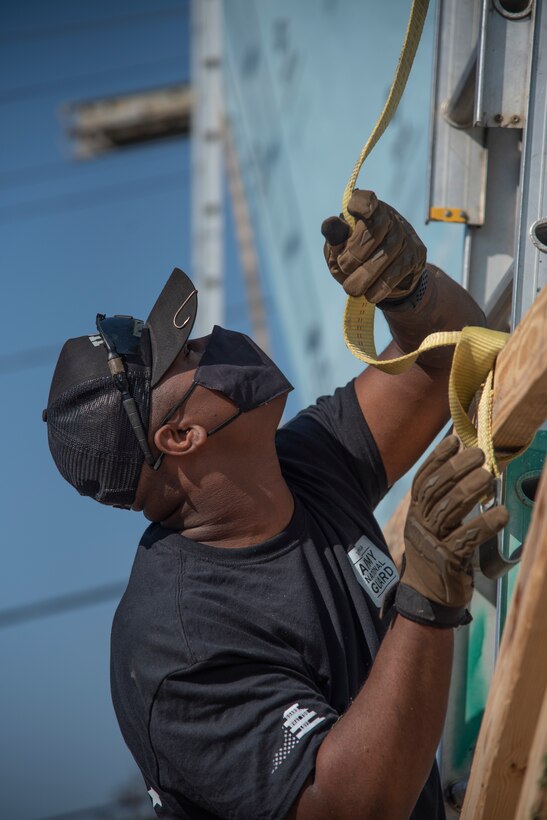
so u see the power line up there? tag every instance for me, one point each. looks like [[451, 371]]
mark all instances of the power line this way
[[101, 812], [133, 805], [102, 196], [49, 170], [47, 354], [27, 359], [62, 603], [14, 177], [91, 25], [39, 89]]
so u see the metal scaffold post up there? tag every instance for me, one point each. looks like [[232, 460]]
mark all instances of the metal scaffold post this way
[[207, 161]]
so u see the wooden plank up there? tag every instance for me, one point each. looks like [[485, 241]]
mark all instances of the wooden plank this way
[[520, 380], [533, 795], [518, 686], [520, 398]]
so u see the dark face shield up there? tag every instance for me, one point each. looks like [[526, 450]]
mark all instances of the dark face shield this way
[[235, 366], [232, 364]]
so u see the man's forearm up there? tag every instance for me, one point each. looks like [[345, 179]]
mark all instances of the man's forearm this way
[[405, 412], [440, 304], [375, 760]]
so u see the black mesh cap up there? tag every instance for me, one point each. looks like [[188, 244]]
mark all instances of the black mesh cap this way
[[90, 436], [89, 433]]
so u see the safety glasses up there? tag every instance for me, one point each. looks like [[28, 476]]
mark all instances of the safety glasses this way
[[122, 337]]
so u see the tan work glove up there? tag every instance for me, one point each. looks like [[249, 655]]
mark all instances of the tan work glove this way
[[383, 258], [437, 580]]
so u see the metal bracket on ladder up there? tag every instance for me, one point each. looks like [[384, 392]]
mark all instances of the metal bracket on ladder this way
[[480, 106], [531, 244]]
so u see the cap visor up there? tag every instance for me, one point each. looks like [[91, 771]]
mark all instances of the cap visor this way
[[171, 321]]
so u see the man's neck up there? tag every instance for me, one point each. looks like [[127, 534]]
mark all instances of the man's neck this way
[[234, 511]]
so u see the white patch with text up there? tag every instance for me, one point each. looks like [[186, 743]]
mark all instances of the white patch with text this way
[[374, 570]]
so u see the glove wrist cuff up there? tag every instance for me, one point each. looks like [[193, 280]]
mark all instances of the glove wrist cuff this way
[[443, 305], [411, 299], [416, 607]]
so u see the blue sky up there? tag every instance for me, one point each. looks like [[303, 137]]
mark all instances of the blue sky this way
[[102, 236], [75, 239]]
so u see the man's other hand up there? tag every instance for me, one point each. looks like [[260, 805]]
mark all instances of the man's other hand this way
[[439, 545], [383, 258]]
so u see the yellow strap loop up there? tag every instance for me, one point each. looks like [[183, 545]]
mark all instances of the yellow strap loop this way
[[476, 348], [472, 367], [359, 337]]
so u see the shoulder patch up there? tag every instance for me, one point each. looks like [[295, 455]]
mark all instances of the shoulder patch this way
[[298, 721], [374, 570]]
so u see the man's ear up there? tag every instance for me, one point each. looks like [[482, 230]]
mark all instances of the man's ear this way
[[176, 441]]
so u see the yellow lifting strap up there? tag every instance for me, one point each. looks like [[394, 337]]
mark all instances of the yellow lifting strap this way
[[476, 347], [413, 34], [472, 367]]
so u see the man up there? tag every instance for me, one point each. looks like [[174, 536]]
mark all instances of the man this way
[[266, 663]]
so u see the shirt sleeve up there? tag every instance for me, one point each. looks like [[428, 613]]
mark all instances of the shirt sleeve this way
[[332, 435], [237, 740]]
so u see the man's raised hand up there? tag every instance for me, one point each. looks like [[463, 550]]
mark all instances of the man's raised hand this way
[[383, 258]]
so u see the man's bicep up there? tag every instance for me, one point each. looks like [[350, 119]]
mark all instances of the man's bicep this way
[[238, 740], [404, 413]]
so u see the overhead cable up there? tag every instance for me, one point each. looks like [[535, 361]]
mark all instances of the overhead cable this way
[[85, 199], [29, 174], [61, 604], [47, 32], [11, 95]]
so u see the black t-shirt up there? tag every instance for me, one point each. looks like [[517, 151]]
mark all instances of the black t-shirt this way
[[230, 666]]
